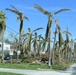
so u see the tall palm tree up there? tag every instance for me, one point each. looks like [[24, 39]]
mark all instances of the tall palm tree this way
[[2, 30], [67, 41], [60, 39], [20, 17], [49, 24], [54, 46]]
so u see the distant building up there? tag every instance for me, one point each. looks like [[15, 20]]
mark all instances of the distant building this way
[[6, 48]]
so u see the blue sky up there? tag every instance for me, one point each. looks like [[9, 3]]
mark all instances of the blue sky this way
[[36, 18]]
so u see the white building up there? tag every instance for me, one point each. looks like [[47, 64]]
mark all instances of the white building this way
[[6, 48]]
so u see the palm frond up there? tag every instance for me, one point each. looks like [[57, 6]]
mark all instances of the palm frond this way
[[64, 9], [41, 37], [41, 9], [37, 29], [14, 11], [26, 18], [67, 33], [23, 35], [18, 18], [14, 7]]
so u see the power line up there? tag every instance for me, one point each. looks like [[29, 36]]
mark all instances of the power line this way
[[12, 29]]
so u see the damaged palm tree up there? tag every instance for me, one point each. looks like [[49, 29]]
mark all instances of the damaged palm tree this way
[[47, 35], [40, 42], [60, 39], [48, 29], [54, 45], [67, 42], [2, 30], [30, 34], [20, 17]]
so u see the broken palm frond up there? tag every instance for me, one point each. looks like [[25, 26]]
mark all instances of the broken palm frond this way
[[64, 9], [37, 29], [41, 9]]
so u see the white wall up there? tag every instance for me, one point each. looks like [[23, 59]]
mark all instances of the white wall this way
[[6, 47]]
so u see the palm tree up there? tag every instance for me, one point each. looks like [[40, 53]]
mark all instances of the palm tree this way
[[30, 34], [67, 41], [20, 17], [2, 30], [48, 29], [54, 46], [71, 53], [60, 38], [40, 42]]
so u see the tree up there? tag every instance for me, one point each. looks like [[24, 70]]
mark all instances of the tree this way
[[67, 33], [2, 30], [60, 39], [30, 38], [54, 45], [40, 42], [48, 29], [20, 17]]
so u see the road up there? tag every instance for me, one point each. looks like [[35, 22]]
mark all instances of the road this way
[[70, 71]]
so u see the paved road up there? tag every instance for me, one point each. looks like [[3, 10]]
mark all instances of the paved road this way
[[33, 72], [70, 71]]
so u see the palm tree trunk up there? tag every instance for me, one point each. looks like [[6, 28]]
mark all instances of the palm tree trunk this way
[[20, 32], [54, 47], [2, 46], [49, 51]]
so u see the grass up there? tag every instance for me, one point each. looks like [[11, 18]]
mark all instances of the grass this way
[[35, 66], [62, 66], [22, 66], [6, 73]]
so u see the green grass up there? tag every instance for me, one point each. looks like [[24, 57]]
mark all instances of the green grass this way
[[35, 66], [6, 73], [22, 66], [62, 66]]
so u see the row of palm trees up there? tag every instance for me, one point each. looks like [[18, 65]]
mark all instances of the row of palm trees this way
[[26, 42]]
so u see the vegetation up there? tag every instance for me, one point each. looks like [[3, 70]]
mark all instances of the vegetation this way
[[2, 30], [20, 17], [35, 49], [36, 66], [24, 66], [6, 73], [63, 66]]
